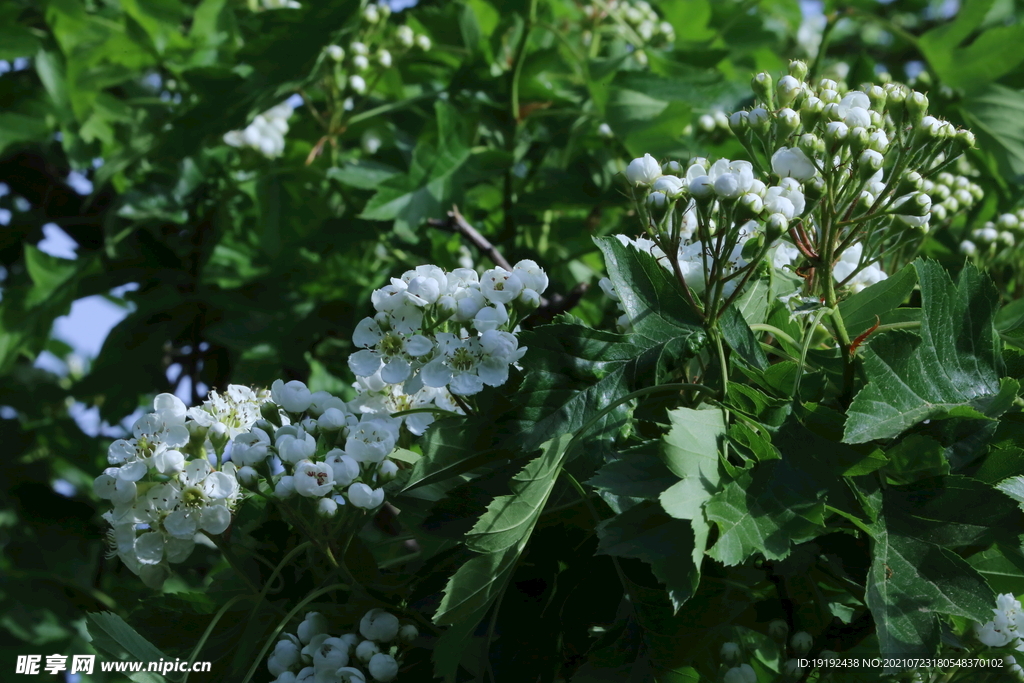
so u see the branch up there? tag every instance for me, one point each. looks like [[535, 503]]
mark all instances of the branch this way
[[456, 223], [549, 307]]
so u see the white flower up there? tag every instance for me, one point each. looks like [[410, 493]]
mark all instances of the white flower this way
[[371, 14], [731, 179], [490, 318], [643, 171], [669, 185], [344, 467], [379, 625], [332, 420], [791, 162], [362, 496], [294, 444], [358, 83], [531, 275], [785, 198], [294, 396], [499, 286], [389, 351], [383, 668], [372, 440], [333, 652], [313, 479], [250, 449]]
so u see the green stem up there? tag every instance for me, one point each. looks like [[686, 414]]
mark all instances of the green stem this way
[[206, 634], [519, 58], [844, 347], [818, 315], [775, 332], [284, 622]]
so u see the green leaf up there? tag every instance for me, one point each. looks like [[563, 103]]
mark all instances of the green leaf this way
[[364, 174], [993, 54], [690, 451], [428, 187], [15, 128], [910, 583], [113, 634], [951, 512], [996, 115], [949, 371], [859, 310], [1014, 488], [500, 536], [738, 335], [48, 273], [639, 474], [916, 457], [646, 533], [1002, 568]]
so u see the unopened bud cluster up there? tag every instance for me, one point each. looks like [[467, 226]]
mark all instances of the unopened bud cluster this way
[[312, 653], [995, 242], [635, 22], [266, 132], [837, 179]]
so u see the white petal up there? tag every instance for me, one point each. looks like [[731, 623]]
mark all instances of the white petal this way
[[182, 523], [133, 471], [216, 519], [436, 374], [219, 485], [396, 370], [364, 363], [418, 345], [149, 548], [367, 333]]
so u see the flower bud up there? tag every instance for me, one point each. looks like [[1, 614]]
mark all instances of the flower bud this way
[[386, 471], [938, 212], [811, 111], [702, 189], [326, 507], [672, 168], [706, 122], [247, 476], [383, 668], [738, 122], [896, 100], [811, 144], [870, 161], [792, 671], [801, 642], [657, 200], [859, 139], [798, 69], [878, 141], [831, 112], [219, 437], [366, 650], [909, 182], [964, 197], [778, 630], [669, 185], [761, 84], [423, 43], [917, 106], [788, 121], [529, 299], [965, 138], [408, 633], [751, 205], [744, 673], [336, 52], [836, 132], [775, 226], [730, 653], [918, 204], [814, 188], [1007, 238], [643, 171], [827, 84], [877, 95], [829, 96], [758, 120], [788, 90], [285, 487]]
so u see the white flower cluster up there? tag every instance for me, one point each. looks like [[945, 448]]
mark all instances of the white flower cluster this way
[[265, 134], [161, 482], [361, 60], [994, 241], [331, 453], [1005, 627], [634, 21], [313, 655], [446, 331]]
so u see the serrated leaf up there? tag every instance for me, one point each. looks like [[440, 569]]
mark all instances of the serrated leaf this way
[[910, 583], [646, 533], [500, 535], [740, 338], [948, 371], [639, 474]]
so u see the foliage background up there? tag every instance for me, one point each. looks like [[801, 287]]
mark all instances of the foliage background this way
[[243, 270]]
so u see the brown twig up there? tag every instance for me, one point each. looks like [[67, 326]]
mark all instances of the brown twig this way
[[457, 223], [549, 307]]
